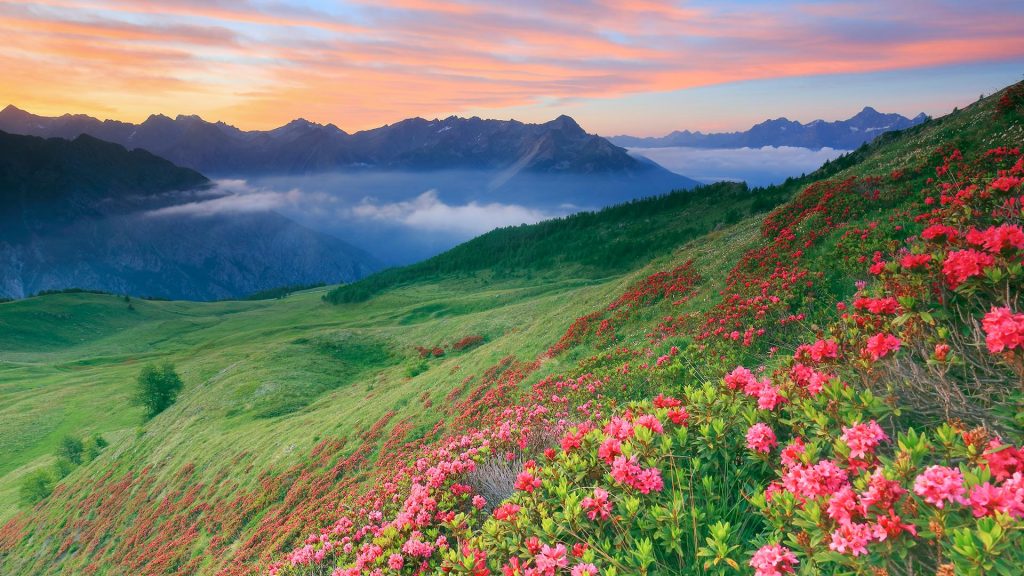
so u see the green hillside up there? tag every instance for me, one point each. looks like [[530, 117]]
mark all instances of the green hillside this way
[[303, 410]]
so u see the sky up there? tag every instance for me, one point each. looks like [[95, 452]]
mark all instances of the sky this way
[[619, 67]]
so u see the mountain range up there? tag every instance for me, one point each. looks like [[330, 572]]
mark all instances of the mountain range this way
[[847, 134], [86, 213], [560, 146]]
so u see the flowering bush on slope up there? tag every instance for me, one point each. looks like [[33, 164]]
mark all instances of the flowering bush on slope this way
[[809, 466]]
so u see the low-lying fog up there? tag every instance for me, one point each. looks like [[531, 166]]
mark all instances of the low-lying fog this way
[[755, 166], [403, 217]]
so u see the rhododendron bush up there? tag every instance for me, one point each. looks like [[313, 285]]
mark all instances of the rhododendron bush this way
[[851, 404]]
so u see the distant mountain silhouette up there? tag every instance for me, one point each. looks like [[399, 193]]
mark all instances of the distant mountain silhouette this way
[[80, 214], [848, 134], [560, 146]]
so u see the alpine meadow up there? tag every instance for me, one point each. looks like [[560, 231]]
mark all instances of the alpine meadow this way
[[226, 375]]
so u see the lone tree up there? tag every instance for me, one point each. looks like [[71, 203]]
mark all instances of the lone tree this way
[[71, 448], [157, 388]]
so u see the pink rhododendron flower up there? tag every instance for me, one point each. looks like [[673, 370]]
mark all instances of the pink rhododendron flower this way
[[506, 511], [863, 438], [651, 422], [551, 559], [1004, 330], [880, 345], [940, 232], [527, 482], [598, 505], [609, 449], [853, 538], [761, 438], [986, 499], [963, 264], [995, 239], [915, 261], [819, 351], [790, 455], [1003, 461], [584, 570], [773, 560], [940, 484], [395, 562]]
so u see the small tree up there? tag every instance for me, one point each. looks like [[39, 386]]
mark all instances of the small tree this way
[[71, 448], [36, 486], [157, 388]]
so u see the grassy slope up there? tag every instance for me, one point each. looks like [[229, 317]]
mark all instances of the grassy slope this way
[[241, 360]]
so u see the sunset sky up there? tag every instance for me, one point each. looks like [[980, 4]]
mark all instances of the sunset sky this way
[[642, 67]]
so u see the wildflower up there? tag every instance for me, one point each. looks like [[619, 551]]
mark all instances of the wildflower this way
[[915, 261], [738, 378], [584, 570], [598, 505], [527, 482], [1004, 183], [842, 505], [479, 501], [940, 484], [790, 455], [986, 499], [619, 428], [1004, 330], [506, 511], [852, 538], [761, 438], [768, 397], [551, 559], [819, 351], [651, 422], [963, 264], [1003, 461], [940, 232], [941, 352], [995, 239], [863, 438], [662, 401], [773, 560], [678, 416], [880, 345], [877, 305], [609, 449], [395, 561]]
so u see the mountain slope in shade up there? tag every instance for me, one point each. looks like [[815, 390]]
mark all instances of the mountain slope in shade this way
[[78, 214], [848, 134], [560, 146]]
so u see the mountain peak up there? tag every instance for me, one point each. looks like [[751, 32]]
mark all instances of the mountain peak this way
[[567, 124], [11, 108]]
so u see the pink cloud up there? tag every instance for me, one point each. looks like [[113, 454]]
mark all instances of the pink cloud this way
[[370, 64]]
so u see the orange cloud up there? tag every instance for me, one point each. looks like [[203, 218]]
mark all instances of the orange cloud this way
[[366, 63]]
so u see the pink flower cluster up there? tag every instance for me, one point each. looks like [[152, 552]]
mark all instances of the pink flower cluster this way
[[773, 560], [862, 439], [1004, 330], [761, 438], [768, 395], [881, 345], [626, 471], [961, 265]]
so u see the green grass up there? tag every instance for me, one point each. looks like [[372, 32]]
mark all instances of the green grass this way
[[266, 376]]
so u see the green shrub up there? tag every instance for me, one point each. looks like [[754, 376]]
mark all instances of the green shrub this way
[[71, 448], [36, 486], [157, 388]]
